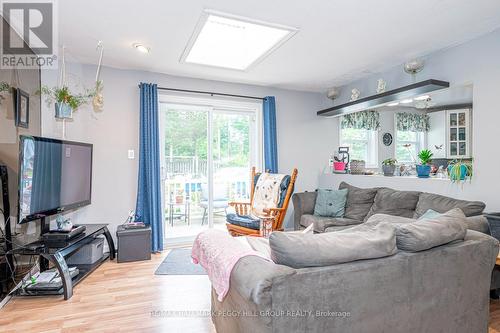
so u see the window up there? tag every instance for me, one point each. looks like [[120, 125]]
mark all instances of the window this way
[[362, 145], [408, 144]]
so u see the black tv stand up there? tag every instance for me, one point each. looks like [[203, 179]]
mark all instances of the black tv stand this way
[[56, 254]]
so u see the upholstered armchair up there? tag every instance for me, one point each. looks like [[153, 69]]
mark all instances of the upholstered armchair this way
[[248, 216]]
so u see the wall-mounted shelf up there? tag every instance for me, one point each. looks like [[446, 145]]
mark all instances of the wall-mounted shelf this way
[[394, 95]]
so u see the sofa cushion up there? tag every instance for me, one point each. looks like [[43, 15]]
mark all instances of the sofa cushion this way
[[397, 221], [359, 201], [393, 202], [442, 204], [361, 242], [321, 223], [428, 233], [330, 203]]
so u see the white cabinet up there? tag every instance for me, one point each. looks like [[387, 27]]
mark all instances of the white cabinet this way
[[458, 134]]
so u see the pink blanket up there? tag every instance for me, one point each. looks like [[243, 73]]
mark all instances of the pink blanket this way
[[217, 252]]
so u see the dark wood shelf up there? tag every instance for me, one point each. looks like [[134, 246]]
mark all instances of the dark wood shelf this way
[[394, 95]]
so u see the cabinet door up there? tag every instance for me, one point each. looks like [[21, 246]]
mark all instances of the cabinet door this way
[[458, 139], [436, 137]]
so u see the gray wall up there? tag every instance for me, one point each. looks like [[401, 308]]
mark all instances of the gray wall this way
[[475, 62], [304, 140]]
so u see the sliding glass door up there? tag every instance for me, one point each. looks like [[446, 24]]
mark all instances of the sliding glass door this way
[[208, 152]]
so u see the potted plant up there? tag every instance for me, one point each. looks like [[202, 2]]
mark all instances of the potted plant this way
[[389, 166], [424, 169], [65, 101], [459, 171]]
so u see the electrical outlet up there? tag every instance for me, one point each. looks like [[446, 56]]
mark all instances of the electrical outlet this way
[[131, 154]]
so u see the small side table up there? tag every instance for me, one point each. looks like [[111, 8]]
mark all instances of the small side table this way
[[133, 244]]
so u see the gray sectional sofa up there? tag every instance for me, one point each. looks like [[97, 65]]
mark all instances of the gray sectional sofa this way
[[441, 289], [444, 289], [363, 203]]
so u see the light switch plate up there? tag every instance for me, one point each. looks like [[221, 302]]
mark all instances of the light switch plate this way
[[131, 154]]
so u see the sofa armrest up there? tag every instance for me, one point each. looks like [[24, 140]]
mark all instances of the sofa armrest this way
[[303, 203], [253, 276], [478, 223]]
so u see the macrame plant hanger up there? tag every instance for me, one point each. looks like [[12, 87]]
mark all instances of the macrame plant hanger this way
[[98, 99], [61, 84]]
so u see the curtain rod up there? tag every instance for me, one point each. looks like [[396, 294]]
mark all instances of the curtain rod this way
[[210, 93]]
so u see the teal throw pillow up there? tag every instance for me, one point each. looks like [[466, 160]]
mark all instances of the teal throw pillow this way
[[429, 214], [330, 203]]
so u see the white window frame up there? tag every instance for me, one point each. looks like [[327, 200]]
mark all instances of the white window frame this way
[[419, 144], [371, 144]]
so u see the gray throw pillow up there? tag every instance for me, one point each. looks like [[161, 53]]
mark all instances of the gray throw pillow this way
[[330, 203], [428, 233], [312, 250]]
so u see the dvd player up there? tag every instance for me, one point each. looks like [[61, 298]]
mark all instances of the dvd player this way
[[58, 236]]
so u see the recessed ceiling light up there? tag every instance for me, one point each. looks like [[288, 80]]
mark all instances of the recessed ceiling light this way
[[141, 48], [234, 42], [393, 104], [406, 101]]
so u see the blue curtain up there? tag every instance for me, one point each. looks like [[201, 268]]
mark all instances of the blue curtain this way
[[270, 137], [148, 208]]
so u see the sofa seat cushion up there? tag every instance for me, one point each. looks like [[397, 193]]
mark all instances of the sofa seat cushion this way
[[397, 221], [313, 250], [431, 232], [442, 204], [246, 221], [359, 201], [393, 202], [321, 222]]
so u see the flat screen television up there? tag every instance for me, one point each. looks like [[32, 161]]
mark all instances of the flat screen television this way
[[54, 176]]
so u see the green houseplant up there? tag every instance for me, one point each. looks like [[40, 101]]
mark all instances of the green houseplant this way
[[65, 101], [424, 169], [460, 171], [389, 166]]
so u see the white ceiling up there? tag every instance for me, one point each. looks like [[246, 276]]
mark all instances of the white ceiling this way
[[338, 40]]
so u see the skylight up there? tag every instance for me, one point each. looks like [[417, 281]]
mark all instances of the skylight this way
[[228, 41]]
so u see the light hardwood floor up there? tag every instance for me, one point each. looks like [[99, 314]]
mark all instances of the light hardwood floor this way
[[117, 298], [122, 297]]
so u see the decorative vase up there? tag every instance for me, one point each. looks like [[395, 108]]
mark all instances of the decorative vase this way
[[463, 172], [423, 170], [388, 170], [63, 111], [339, 166]]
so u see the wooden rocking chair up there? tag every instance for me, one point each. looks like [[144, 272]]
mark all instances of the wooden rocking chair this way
[[241, 224]]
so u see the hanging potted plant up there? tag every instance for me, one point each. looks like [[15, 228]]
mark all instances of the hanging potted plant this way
[[389, 166], [424, 169], [459, 171], [65, 102]]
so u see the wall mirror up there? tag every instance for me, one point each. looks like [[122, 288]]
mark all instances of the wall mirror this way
[[440, 121]]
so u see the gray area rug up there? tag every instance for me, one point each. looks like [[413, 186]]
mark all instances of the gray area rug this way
[[178, 262]]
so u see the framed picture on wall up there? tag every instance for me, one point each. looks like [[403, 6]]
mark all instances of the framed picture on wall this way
[[22, 108]]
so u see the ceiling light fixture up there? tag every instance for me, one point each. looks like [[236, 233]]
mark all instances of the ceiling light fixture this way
[[141, 48], [406, 101], [422, 98], [234, 42], [393, 104]]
